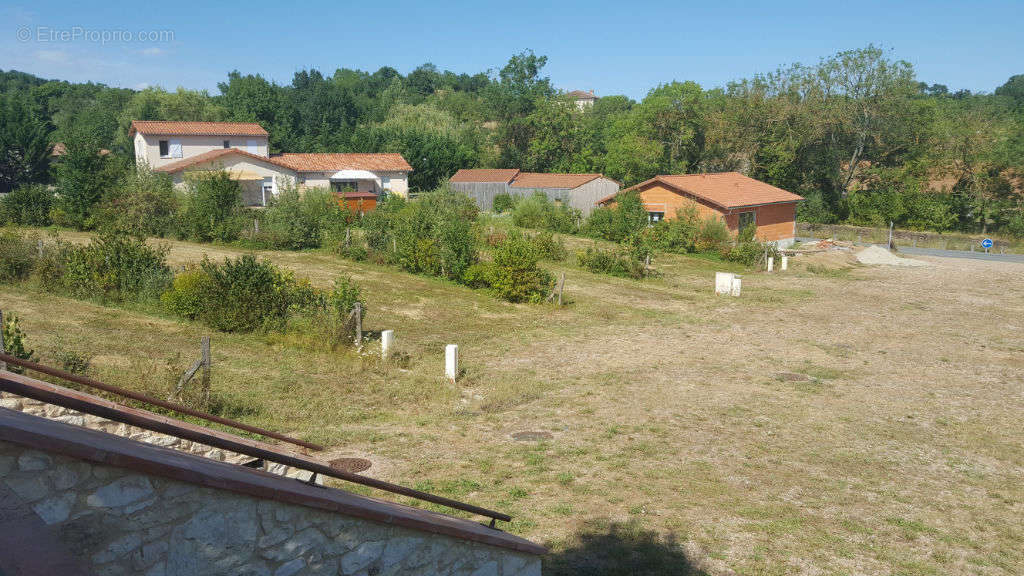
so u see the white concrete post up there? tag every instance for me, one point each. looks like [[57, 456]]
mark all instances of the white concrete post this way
[[736, 284], [723, 282], [785, 263], [771, 263], [451, 361], [387, 340]]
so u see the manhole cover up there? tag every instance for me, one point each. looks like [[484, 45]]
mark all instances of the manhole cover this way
[[350, 465], [531, 435], [793, 377]]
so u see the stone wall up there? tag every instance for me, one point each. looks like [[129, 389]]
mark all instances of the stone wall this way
[[120, 522], [73, 417]]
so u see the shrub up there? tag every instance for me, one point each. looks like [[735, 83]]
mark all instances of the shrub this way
[[504, 202], [14, 341], [29, 205], [615, 262], [537, 211], [142, 204], [678, 235], [246, 294], [18, 255], [748, 250], [295, 221], [111, 267], [212, 208], [548, 247], [431, 235], [514, 274], [616, 223], [712, 235]]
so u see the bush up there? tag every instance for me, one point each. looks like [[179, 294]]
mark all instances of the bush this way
[[212, 208], [295, 221], [538, 212], [748, 250], [548, 247], [712, 236], [431, 235], [29, 205], [504, 202], [14, 341], [246, 294], [111, 267], [514, 274], [678, 235], [142, 204], [18, 255], [616, 262], [616, 223]]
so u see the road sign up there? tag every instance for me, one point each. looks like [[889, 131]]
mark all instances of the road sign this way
[[986, 243]]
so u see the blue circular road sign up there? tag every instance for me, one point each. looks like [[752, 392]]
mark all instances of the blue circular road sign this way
[[986, 243]]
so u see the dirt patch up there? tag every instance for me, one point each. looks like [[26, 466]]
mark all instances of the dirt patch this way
[[532, 436], [793, 377], [878, 255]]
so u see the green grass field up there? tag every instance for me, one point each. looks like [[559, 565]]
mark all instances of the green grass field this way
[[835, 419]]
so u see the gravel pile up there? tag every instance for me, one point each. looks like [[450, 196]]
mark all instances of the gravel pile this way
[[879, 255]]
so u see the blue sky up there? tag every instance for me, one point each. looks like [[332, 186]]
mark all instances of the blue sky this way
[[610, 47]]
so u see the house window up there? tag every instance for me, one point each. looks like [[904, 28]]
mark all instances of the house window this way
[[747, 219], [227, 143], [345, 185], [385, 182], [268, 189], [654, 217], [165, 149]]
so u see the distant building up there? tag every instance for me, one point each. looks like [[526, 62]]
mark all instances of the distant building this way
[[243, 149], [740, 201], [579, 191], [583, 99]]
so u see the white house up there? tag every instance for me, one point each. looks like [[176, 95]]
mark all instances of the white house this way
[[242, 149]]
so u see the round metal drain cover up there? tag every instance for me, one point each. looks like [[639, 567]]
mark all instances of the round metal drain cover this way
[[350, 465], [531, 435]]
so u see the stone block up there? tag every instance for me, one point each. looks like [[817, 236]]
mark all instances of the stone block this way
[[55, 509], [121, 492], [33, 461], [290, 568]]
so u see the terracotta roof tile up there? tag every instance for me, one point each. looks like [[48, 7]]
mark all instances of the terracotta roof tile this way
[[484, 175], [197, 128], [325, 162], [542, 180], [725, 189], [581, 94], [213, 155]]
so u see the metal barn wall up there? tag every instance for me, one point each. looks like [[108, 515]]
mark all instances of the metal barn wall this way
[[482, 192]]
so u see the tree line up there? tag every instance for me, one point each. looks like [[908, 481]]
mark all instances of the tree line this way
[[857, 134]]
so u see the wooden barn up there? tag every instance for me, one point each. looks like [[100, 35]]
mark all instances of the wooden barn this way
[[739, 200], [579, 191]]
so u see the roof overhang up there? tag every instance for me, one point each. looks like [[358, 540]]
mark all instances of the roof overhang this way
[[354, 175]]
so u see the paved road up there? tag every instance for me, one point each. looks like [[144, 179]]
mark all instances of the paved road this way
[[979, 255]]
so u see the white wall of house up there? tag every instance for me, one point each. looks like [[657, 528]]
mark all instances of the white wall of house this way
[[240, 167], [396, 182], [147, 147]]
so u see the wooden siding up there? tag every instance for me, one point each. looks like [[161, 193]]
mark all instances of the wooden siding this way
[[583, 198], [774, 221]]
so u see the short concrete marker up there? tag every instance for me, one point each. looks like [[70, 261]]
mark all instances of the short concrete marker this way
[[784, 265], [771, 263], [736, 284], [451, 361], [387, 341], [723, 282]]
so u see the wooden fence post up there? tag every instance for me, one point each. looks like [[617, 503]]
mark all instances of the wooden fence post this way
[[3, 348], [205, 359], [561, 286], [358, 310]]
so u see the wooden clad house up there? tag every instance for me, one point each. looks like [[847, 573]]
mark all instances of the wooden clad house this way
[[737, 199]]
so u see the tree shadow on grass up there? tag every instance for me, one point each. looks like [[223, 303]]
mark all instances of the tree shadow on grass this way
[[620, 549]]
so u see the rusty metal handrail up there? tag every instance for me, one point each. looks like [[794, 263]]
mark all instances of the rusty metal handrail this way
[[85, 381], [82, 402]]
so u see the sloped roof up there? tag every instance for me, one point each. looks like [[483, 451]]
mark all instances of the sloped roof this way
[[324, 162], [542, 180], [213, 155], [485, 175], [581, 95], [196, 128], [725, 189]]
